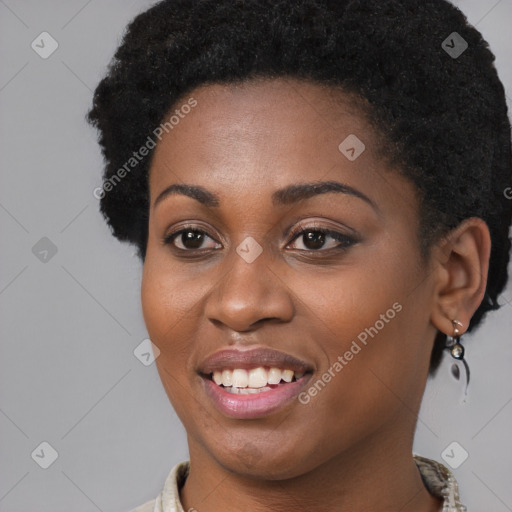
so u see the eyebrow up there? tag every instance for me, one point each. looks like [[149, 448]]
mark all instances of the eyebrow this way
[[287, 195]]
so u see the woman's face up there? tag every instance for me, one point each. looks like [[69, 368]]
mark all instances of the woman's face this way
[[252, 271]]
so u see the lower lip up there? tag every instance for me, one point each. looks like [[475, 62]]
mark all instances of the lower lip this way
[[254, 405]]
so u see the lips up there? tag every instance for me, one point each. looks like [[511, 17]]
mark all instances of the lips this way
[[253, 358], [238, 399], [252, 406]]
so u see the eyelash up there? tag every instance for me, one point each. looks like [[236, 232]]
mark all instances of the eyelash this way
[[345, 241]]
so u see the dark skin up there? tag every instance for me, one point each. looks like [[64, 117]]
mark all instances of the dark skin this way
[[350, 447]]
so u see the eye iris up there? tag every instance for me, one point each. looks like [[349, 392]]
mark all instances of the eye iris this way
[[195, 238], [314, 239]]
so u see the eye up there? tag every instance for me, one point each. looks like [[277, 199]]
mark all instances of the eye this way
[[190, 239], [315, 238]]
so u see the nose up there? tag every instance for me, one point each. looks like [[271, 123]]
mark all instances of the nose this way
[[249, 294]]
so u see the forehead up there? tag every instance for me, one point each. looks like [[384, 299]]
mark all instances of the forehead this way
[[263, 135]]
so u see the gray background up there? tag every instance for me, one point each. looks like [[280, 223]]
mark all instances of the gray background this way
[[68, 375]]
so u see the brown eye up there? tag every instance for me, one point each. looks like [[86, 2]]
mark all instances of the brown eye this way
[[190, 239], [314, 239]]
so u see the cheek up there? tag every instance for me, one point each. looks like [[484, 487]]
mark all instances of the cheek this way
[[370, 315], [156, 298], [168, 309], [351, 299]]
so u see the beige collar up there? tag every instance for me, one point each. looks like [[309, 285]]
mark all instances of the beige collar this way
[[437, 478]]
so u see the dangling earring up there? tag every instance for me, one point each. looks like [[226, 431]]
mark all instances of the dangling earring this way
[[457, 352]]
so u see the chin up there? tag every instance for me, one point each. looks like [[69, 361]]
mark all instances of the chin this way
[[250, 462]]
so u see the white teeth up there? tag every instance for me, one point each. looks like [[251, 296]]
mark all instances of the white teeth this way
[[287, 375], [240, 378], [246, 391], [257, 378], [274, 376], [227, 378]]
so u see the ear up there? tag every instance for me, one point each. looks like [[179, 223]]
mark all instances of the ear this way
[[461, 263]]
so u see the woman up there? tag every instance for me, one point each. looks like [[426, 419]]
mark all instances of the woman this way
[[318, 193]]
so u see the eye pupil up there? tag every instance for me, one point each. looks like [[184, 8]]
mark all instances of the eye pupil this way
[[314, 239], [193, 237]]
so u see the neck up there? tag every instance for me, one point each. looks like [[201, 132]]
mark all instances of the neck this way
[[365, 478]]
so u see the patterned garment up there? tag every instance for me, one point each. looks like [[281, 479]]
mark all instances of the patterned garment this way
[[437, 478]]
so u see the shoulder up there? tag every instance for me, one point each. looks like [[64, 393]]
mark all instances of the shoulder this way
[[440, 482], [169, 497]]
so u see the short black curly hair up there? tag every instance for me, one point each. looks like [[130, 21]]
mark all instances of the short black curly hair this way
[[443, 113]]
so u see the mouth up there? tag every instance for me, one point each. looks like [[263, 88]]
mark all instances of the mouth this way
[[253, 393], [252, 381]]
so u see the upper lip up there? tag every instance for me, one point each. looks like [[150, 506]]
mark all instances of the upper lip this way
[[253, 358]]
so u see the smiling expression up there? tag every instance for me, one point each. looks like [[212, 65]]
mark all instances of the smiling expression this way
[[258, 167]]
